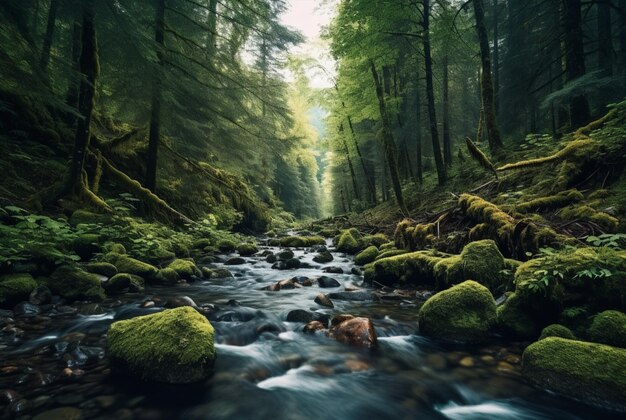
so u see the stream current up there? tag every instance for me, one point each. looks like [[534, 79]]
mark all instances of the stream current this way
[[53, 360]]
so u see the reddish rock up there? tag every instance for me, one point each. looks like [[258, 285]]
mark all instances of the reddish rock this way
[[324, 300], [313, 326], [355, 331], [339, 319]]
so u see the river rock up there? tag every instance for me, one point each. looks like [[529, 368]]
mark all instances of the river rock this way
[[40, 296], [300, 315], [26, 309], [167, 276], [102, 268], [126, 264], [246, 250], [327, 282], [174, 346], [313, 326], [357, 331], [15, 288], [463, 313], [324, 300], [220, 273], [65, 413], [285, 255], [303, 281], [594, 373], [323, 257], [292, 264], [117, 284], [357, 296], [185, 268], [333, 270], [180, 301], [235, 261]]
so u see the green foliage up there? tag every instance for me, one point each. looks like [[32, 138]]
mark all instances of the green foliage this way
[[611, 240]]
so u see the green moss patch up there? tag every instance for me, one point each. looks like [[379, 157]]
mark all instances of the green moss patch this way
[[15, 288], [366, 256], [609, 327], [73, 283]]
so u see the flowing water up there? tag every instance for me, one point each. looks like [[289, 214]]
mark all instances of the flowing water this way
[[53, 364]]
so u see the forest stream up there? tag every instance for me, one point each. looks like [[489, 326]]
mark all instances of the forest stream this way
[[54, 362]]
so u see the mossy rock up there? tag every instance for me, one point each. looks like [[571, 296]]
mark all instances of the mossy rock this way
[[126, 264], [374, 240], [348, 243], [366, 256], [464, 313], [116, 248], [575, 284], [167, 276], [15, 288], [103, 268], [301, 241], [119, 283], [387, 246], [174, 346], [594, 373], [479, 260], [226, 246], [390, 253], [82, 216], [245, 250], [73, 283], [85, 246], [414, 267], [514, 320], [328, 233], [323, 257], [609, 327], [186, 269], [557, 330], [201, 243]]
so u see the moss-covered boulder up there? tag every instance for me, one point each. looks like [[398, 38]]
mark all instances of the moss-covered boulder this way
[[390, 253], [226, 245], [514, 319], [103, 268], [374, 240], [119, 283], [175, 346], [167, 276], [186, 269], [73, 283], [594, 373], [245, 250], [300, 241], [609, 327], [414, 267], [82, 216], [15, 288], [557, 330], [126, 264], [323, 257], [464, 313], [85, 246], [348, 243], [366, 256], [479, 260]]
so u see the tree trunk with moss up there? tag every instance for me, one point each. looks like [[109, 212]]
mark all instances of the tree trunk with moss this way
[[154, 136], [605, 38], [355, 184], [47, 40], [430, 95], [419, 171], [388, 142], [447, 142], [486, 80], [89, 68], [575, 59]]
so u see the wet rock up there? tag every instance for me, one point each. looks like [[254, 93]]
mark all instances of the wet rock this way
[[286, 284], [15, 288], [313, 326], [466, 362], [65, 413], [303, 281], [7, 396], [91, 309], [235, 261], [323, 257], [271, 258], [292, 263], [73, 283], [180, 301], [285, 255], [147, 304], [327, 282], [338, 319], [137, 284], [358, 296], [300, 315], [507, 368], [355, 331], [279, 265], [174, 346], [354, 365], [126, 264], [40, 296], [333, 270], [246, 250], [185, 268], [356, 271], [324, 300], [220, 273], [26, 309]]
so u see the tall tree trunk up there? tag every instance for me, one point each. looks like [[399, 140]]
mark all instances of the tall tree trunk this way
[[575, 59], [447, 143], [350, 166], [496, 57], [419, 169], [47, 40], [154, 136], [73, 89], [388, 143], [605, 38], [622, 38], [211, 43], [89, 68], [371, 186], [486, 81], [430, 96]]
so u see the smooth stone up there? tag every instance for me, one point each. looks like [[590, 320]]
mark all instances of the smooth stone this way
[[333, 270], [312, 327], [65, 413], [235, 261], [327, 282], [466, 362], [285, 255], [358, 296], [26, 309], [179, 301], [355, 331], [323, 257], [324, 300]]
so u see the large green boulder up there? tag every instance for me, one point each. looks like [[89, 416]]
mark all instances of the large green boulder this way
[[184, 268], [73, 283], [175, 346], [609, 327], [557, 330], [464, 313], [366, 256], [126, 264], [15, 288], [594, 373], [348, 243], [514, 319], [414, 267]]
